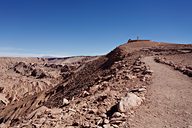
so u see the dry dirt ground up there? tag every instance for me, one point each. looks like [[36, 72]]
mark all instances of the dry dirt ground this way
[[126, 88], [168, 100], [182, 59]]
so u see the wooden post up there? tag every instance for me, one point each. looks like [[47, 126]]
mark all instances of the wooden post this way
[[137, 37]]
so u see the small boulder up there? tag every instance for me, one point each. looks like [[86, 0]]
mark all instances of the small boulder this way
[[129, 102], [65, 102], [141, 89], [106, 121], [117, 114], [148, 72]]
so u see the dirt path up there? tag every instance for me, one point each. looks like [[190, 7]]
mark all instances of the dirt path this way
[[168, 101]]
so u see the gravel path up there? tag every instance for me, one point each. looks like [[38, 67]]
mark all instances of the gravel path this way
[[168, 101]]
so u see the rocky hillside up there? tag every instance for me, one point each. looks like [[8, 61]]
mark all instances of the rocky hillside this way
[[21, 77], [101, 91]]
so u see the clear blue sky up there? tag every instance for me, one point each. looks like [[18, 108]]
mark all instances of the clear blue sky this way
[[89, 27]]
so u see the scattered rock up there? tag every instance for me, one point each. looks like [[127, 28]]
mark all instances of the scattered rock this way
[[65, 74], [73, 110], [107, 78], [75, 123], [138, 90], [137, 69], [85, 93], [105, 121], [101, 98], [100, 121], [94, 89], [141, 89], [86, 125], [93, 111], [70, 127], [107, 126], [130, 77], [3, 99], [117, 120], [3, 125], [115, 126], [103, 115]]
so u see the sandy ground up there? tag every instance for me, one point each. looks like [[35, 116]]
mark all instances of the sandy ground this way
[[168, 103]]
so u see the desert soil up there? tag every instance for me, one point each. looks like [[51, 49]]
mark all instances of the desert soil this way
[[168, 101]]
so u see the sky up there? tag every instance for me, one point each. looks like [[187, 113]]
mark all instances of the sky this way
[[89, 27]]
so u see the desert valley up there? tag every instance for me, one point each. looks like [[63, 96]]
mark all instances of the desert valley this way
[[139, 84]]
